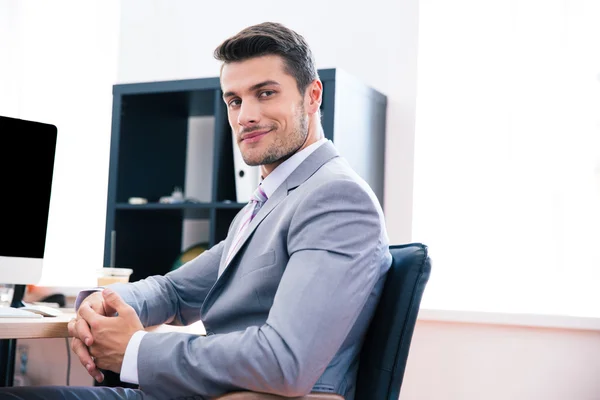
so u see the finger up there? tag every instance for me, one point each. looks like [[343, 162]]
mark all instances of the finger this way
[[82, 353], [97, 306], [71, 328], [96, 301], [96, 372], [114, 301], [83, 332], [88, 314], [86, 359], [99, 377]]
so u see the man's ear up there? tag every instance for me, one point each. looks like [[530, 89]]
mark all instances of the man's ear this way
[[314, 96]]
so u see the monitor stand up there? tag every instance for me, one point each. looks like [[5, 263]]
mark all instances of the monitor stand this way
[[16, 303], [18, 294], [8, 346]]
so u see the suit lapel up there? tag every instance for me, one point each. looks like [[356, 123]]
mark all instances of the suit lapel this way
[[270, 204], [307, 168]]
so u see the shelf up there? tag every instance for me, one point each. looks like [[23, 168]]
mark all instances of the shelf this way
[[228, 204], [177, 206], [187, 210], [163, 206], [182, 210]]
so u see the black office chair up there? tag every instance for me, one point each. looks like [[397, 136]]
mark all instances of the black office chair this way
[[385, 351]]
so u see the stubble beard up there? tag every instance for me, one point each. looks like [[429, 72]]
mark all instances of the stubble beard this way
[[283, 147]]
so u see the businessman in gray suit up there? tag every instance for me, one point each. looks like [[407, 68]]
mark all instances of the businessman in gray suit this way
[[287, 297]]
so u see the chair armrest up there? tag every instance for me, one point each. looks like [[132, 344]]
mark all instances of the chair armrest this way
[[265, 396]]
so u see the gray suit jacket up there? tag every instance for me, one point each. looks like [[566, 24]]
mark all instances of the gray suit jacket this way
[[289, 312]]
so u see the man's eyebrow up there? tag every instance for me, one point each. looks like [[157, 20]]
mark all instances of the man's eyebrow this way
[[253, 87]]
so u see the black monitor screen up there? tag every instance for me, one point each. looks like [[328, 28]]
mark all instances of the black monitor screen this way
[[26, 165]]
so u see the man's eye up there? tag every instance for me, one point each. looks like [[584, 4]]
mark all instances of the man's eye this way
[[266, 93], [235, 103]]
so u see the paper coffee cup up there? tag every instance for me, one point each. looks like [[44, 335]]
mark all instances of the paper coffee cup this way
[[108, 276]]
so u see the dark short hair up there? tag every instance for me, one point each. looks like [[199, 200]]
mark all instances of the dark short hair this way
[[271, 38]]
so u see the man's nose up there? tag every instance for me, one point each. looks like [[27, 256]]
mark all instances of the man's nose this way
[[249, 114]]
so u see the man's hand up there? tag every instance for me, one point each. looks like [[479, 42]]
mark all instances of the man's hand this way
[[111, 335], [79, 330]]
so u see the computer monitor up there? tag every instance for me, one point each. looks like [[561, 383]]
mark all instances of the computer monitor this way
[[27, 151]]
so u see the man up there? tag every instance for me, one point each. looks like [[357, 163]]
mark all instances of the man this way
[[287, 297]]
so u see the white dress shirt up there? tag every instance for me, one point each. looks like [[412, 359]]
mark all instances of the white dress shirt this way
[[129, 369]]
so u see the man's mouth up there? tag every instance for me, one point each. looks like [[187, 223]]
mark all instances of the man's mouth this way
[[254, 136]]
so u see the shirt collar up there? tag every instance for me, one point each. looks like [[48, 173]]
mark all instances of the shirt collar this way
[[285, 169]]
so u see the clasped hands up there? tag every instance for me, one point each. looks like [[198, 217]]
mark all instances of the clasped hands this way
[[101, 331]]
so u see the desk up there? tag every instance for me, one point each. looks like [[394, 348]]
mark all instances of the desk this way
[[35, 328], [56, 327]]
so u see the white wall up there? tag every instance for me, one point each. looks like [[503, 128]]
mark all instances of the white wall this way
[[507, 143], [58, 66], [458, 361], [9, 71], [162, 40]]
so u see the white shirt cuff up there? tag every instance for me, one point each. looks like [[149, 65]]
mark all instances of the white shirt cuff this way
[[129, 369]]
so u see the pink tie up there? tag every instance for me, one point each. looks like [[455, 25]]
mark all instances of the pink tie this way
[[258, 199]]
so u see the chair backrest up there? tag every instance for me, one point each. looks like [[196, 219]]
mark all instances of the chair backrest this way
[[385, 350]]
